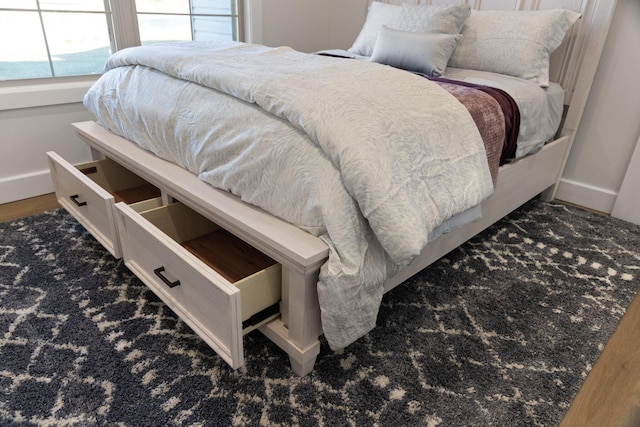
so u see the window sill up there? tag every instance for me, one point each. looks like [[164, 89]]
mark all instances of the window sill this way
[[40, 94]]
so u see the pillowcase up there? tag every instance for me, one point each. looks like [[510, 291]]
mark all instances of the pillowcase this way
[[426, 53], [379, 14], [414, 18], [432, 19], [516, 43]]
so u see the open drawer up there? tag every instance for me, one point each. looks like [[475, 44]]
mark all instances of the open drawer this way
[[218, 284], [90, 190]]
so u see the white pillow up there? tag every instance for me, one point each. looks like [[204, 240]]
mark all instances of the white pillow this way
[[426, 53], [432, 19], [414, 18], [516, 43], [379, 14]]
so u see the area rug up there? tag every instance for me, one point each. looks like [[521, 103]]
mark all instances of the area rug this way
[[501, 332]]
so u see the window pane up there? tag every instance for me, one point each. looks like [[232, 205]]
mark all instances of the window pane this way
[[80, 34], [212, 28], [26, 57], [78, 42], [212, 7], [18, 4], [79, 5], [157, 28], [162, 6]]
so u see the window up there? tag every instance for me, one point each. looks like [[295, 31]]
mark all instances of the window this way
[[55, 38]]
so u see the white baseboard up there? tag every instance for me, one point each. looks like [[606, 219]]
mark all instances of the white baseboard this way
[[589, 196], [25, 186]]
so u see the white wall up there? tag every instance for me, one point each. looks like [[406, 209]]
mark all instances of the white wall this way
[[627, 205], [34, 120], [610, 125], [308, 25], [594, 172]]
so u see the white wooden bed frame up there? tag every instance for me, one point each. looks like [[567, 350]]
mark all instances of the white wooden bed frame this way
[[298, 327]]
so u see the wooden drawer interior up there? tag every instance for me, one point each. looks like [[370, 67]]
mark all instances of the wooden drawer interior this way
[[231, 257], [124, 185], [256, 275]]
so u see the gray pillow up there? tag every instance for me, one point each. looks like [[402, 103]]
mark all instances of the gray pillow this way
[[426, 53], [379, 14]]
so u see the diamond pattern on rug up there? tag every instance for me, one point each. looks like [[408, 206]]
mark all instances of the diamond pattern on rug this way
[[502, 331]]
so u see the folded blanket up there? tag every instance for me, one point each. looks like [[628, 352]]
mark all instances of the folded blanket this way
[[369, 158], [477, 106]]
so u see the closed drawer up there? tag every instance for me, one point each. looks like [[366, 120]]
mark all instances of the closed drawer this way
[[90, 190], [219, 285]]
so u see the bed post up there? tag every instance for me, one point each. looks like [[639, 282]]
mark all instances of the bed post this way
[[299, 327]]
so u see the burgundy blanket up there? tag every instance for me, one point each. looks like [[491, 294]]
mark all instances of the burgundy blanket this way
[[508, 106]]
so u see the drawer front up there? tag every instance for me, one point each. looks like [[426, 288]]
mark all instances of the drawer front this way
[[206, 301], [90, 204]]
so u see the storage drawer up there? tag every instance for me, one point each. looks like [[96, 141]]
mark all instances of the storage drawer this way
[[219, 285], [89, 192]]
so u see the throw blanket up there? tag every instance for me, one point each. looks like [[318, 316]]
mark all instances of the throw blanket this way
[[369, 158], [476, 104], [493, 118]]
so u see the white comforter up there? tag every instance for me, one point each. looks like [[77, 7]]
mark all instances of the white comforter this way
[[369, 158]]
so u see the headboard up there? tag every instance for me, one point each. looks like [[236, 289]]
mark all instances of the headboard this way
[[574, 63]]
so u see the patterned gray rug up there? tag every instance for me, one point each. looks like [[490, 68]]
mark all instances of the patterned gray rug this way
[[501, 332]]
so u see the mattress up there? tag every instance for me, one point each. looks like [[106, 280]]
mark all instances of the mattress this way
[[540, 108]]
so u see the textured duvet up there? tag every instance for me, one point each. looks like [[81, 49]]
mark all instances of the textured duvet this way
[[368, 158]]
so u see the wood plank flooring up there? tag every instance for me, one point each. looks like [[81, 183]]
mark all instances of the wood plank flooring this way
[[609, 397], [22, 208]]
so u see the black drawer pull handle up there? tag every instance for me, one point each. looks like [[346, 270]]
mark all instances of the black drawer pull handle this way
[[166, 281], [74, 199]]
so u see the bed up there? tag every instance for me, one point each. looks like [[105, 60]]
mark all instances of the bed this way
[[335, 193]]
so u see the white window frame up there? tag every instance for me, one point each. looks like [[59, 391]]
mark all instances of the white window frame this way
[[40, 92], [125, 23]]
